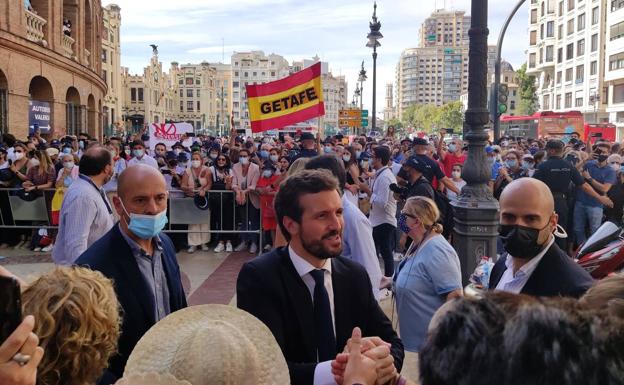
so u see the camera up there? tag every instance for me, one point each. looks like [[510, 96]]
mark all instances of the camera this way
[[399, 190]]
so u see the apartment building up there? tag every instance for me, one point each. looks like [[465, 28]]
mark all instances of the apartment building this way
[[111, 68], [197, 96], [252, 68], [614, 65], [566, 51], [436, 72]]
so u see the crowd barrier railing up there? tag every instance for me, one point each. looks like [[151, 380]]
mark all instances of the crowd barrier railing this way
[[182, 213]]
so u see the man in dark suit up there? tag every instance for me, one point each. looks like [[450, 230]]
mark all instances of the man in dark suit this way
[[139, 259], [534, 264], [308, 296]]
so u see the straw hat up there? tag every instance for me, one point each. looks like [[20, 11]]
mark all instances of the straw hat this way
[[151, 379], [211, 344]]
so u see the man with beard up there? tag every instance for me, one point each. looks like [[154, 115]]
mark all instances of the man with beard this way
[[86, 214], [534, 264], [310, 297]]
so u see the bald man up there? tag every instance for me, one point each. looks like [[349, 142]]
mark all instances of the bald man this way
[[86, 214], [533, 264], [139, 258]]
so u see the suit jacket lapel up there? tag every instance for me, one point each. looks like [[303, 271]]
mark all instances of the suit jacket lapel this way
[[540, 279], [138, 285], [498, 270], [301, 301], [342, 320]]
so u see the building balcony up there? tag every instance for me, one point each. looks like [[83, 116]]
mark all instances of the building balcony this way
[[34, 27], [67, 42]]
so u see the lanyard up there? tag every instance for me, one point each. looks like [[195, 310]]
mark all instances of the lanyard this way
[[377, 175], [88, 180]]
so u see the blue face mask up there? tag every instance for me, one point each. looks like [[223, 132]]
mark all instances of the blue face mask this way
[[67, 150], [452, 148], [138, 153], [264, 154], [491, 160], [511, 163], [357, 154], [402, 223], [146, 226], [533, 150], [327, 149]]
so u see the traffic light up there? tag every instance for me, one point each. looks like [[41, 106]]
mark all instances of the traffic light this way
[[503, 95]]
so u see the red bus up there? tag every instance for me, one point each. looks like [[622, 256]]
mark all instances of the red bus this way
[[544, 124], [606, 130]]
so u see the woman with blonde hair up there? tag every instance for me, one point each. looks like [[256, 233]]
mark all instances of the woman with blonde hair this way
[[78, 320], [428, 276]]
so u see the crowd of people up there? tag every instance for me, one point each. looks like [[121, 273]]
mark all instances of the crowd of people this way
[[329, 211]]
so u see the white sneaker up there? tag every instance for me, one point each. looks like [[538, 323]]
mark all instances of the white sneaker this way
[[228, 247], [48, 248], [191, 249], [253, 248], [37, 249], [205, 247], [268, 247], [241, 246], [220, 247]]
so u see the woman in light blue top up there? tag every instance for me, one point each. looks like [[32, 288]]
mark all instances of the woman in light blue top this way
[[429, 275]]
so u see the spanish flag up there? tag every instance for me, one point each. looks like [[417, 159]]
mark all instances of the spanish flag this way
[[291, 100]]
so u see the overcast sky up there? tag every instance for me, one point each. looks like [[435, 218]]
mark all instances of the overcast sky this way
[[191, 31]]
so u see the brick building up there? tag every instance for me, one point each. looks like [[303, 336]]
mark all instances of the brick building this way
[[41, 63]]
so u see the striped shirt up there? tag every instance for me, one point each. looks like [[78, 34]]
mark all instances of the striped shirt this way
[[86, 215]]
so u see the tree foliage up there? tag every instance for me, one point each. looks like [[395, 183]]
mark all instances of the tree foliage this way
[[528, 103], [427, 116]]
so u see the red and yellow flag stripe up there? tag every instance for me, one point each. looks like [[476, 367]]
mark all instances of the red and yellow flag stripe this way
[[294, 99]]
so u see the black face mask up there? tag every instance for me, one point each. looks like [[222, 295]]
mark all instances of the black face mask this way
[[520, 241], [602, 158]]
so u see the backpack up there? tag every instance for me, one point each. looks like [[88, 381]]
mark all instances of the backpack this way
[[446, 212]]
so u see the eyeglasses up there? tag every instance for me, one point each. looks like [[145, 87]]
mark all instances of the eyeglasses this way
[[408, 215]]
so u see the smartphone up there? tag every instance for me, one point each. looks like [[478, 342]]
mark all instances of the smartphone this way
[[596, 135], [10, 306]]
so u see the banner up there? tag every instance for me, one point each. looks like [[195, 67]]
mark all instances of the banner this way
[[294, 99], [39, 114], [169, 134]]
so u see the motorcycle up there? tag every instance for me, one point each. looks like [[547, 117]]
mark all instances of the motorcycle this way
[[603, 253]]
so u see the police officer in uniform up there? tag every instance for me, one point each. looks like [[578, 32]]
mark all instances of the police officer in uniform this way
[[559, 174]]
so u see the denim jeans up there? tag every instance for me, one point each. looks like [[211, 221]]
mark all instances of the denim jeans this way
[[585, 216], [248, 217]]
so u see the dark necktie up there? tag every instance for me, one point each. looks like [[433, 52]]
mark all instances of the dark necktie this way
[[323, 324]]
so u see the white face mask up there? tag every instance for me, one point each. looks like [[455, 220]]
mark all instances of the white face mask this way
[[346, 158], [456, 174], [274, 158], [244, 160], [18, 155], [615, 167], [267, 173], [68, 165], [177, 151]]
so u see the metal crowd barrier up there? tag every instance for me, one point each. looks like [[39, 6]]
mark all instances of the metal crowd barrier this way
[[17, 213]]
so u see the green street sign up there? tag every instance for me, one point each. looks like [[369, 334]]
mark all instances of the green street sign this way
[[364, 113], [364, 122]]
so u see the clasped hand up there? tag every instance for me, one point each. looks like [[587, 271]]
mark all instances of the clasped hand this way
[[365, 360]]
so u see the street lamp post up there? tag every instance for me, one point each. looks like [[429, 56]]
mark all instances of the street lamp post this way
[[373, 42], [476, 210], [361, 78]]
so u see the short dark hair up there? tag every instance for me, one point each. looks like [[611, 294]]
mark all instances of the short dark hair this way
[[291, 189], [330, 163], [383, 153], [8, 139], [137, 142], [160, 144], [95, 160]]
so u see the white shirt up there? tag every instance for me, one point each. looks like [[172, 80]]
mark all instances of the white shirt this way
[[357, 242], [514, 283], [145, 159], [383, 205], [322, 372]]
